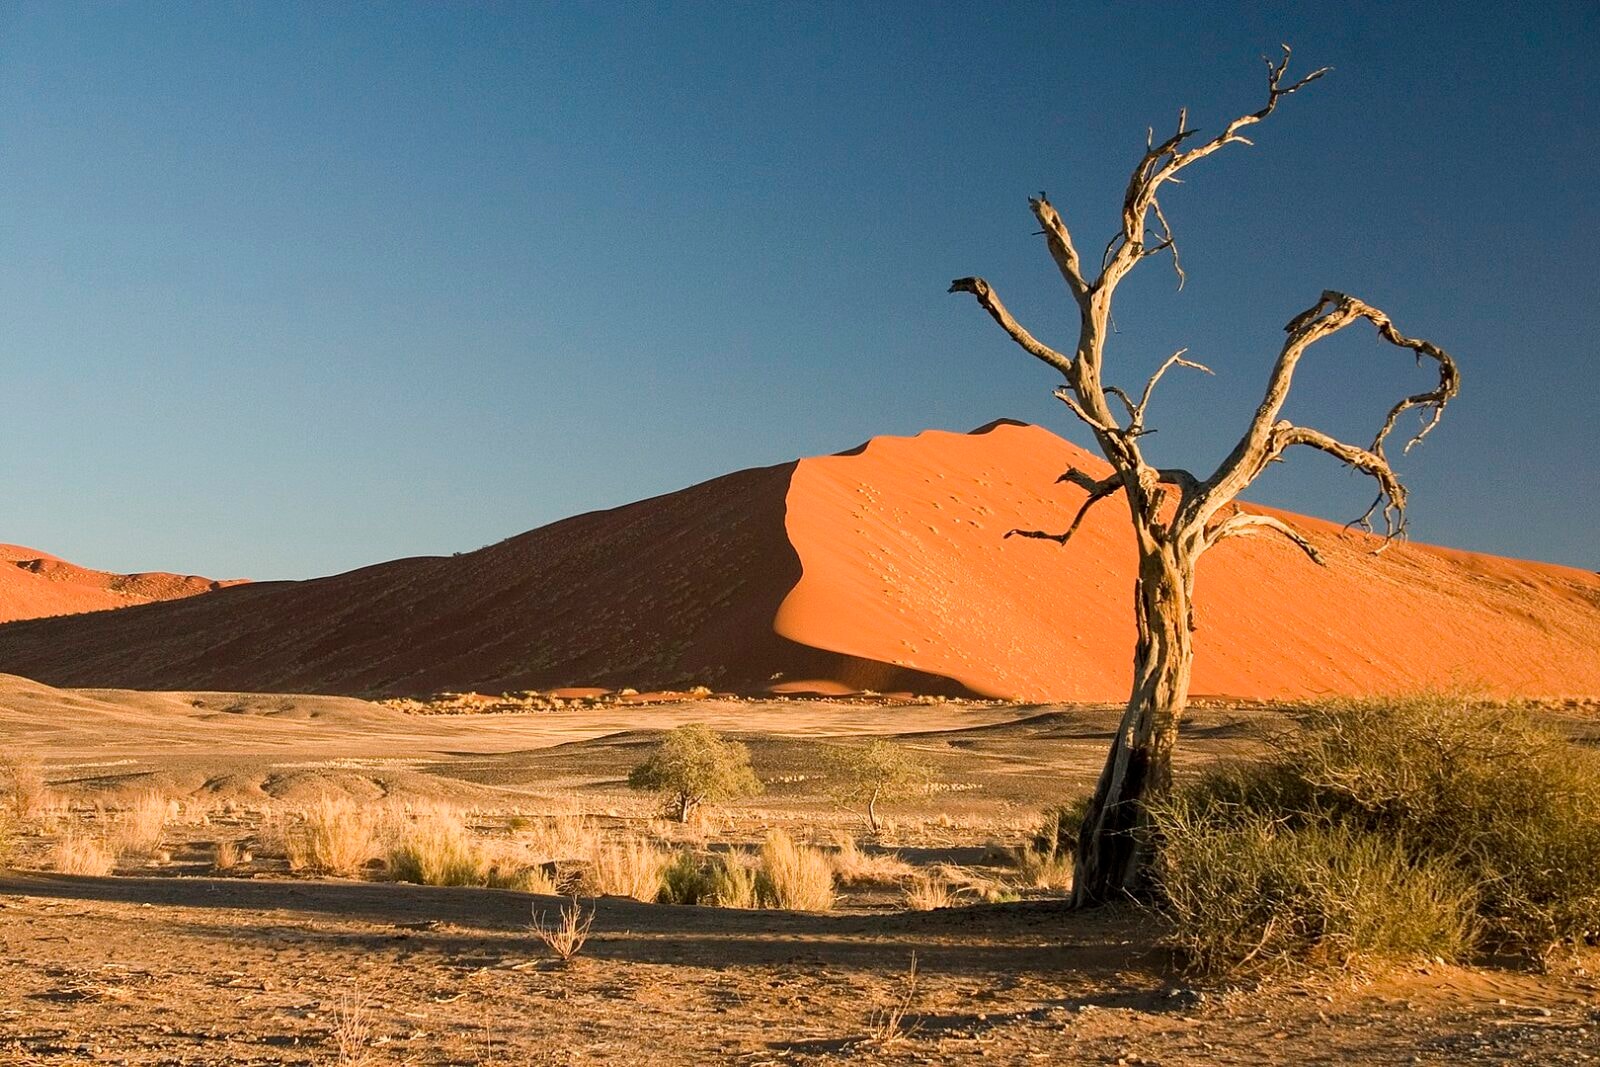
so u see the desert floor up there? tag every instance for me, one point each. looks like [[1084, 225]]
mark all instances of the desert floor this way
[[170, 960]]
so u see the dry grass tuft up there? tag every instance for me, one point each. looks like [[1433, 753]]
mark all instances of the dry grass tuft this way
[[352, 1031], [557, 837], [854, 867], [333, 836], [630, 867], [926, 893], [794, 876], [735, 882], [438, 848], [566, 936], [25, 791], [225, 855], [76, 852], [1043, 870], [888, 1027], [140, 828]]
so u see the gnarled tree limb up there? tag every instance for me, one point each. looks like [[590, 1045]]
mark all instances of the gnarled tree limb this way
[[1161, 164], [1266, 438], [997, 311], [1244, 525], [1098, 491], [1061, 247]]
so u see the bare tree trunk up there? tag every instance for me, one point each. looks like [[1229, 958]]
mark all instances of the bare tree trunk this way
[[1111, 842]]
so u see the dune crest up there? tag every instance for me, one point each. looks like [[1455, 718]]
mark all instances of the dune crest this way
[[35, 584], [885, 568], [905, 560]]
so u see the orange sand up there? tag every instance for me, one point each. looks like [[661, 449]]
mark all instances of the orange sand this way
[[904, 561], [885, 568], [35, 584]]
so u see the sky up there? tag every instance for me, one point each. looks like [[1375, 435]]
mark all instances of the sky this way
[[291, 289]]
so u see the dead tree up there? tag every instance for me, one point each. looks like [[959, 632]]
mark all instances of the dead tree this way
[[1178, 516]]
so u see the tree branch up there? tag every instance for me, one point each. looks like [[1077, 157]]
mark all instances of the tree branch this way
[[1244, 525], [1161, 164], [1098, 491], [997, 311], [1266, 438], [1391, 494], [1176, 359], [1061, 247]]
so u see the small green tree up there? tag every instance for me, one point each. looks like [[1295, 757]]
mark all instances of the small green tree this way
[[867, 775], [695, 764]]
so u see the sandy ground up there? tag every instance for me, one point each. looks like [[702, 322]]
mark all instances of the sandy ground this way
[[175, 964]]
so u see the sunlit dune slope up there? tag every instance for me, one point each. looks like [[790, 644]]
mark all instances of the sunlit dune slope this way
[[35, 584], [885, 568], [905, 561]]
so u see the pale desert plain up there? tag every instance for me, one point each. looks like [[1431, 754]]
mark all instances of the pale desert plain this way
[[205, 860]]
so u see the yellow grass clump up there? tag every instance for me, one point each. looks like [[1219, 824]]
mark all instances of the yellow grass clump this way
[[438, 848], [854, 867], [141, 826], [796, 876], [630, 867], [22, 778], [76, 852], [333, 836], [927, 893]]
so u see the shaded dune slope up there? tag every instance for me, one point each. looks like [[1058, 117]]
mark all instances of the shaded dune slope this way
[[883, 568], [35, 584], [667, 592]]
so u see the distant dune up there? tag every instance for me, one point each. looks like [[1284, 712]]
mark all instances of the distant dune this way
[[883, 568], [35, 584]]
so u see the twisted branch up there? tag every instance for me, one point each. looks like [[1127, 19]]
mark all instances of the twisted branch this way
[[997, 311], [1243, 525], [1161, 164], [1098, 491], [1267, 439]]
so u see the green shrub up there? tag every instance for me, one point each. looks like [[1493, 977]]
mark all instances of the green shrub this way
[[734, 883], [695, 764], [686, 880], [867, 776], [1404, 805], [1254, 893]]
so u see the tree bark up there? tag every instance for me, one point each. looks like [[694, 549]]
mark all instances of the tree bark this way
[[1112, 840]]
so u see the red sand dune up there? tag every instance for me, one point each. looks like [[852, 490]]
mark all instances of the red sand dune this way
[[35, 584], [884, 568]]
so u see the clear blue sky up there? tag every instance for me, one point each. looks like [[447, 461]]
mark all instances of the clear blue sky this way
[[288, 290]]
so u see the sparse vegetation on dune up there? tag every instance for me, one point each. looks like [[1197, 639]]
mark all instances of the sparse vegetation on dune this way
[[1430, 826]]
